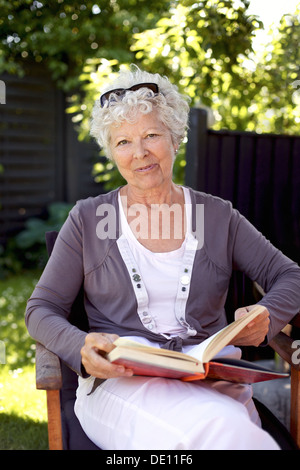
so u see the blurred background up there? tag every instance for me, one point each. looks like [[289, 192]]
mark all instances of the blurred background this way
[[237, 59]]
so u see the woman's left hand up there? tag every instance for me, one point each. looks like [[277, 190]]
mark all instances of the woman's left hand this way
[[255, 332]]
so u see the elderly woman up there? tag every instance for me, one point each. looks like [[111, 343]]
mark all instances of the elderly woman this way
[[156, 268]]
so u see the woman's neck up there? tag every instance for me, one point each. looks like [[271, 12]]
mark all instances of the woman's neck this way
[[168, 195]]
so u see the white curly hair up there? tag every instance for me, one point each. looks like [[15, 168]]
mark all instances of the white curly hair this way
[[172, 107]]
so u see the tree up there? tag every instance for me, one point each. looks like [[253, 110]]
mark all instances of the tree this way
[[206, 47], [62, 34], [277, 105], [203, 46]]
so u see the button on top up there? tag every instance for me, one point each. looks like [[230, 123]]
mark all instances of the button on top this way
[[185, 279], [146, 318]]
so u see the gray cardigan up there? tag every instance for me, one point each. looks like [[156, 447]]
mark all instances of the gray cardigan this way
[[81, 256]]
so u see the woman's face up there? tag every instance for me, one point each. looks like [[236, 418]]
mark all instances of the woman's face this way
[[143, 152]]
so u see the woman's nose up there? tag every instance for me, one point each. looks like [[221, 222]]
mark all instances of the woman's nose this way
[[140, 150]]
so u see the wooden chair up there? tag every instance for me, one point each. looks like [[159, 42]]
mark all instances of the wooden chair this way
[[60, 382]]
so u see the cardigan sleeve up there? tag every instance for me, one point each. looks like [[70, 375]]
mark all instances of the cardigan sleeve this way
[[278, 275], [50, 303]]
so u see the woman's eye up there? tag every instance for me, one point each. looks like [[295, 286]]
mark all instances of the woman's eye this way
[[151, 135], [122, 142]]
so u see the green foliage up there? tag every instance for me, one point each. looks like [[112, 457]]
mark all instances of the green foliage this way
[[9, 259], [206, 49], [15, 291], [277, 106], [201, 47], [23, 433], [31, 241], [22, 408], [62, 34], [28, 249], [35, 228]]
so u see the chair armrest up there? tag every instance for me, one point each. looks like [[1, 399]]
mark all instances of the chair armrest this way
[[282, 344], [296, 321], [48, 369]]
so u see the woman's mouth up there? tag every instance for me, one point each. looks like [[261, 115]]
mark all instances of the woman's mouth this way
[[146, 168]]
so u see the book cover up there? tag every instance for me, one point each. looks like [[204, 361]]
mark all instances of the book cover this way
[[231, 370]]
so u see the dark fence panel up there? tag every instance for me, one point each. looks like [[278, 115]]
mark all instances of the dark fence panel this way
[[41, 157], [79, 160], [28, 154], [258, 173]]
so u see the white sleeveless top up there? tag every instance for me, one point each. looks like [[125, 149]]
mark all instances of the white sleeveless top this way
[[160, 275]]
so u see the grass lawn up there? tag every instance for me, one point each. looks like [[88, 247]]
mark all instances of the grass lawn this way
[[23, 415]]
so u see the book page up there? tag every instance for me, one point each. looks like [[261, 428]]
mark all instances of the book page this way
[[206, 350], [135, 345]]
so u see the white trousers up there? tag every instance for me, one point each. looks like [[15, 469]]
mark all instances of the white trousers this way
[[163, 414]]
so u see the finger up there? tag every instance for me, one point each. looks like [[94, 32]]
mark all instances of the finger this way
[[261, 319], [240, 312], [93, 356], [102, 368], [103, 346], [101, 341], [98, 366], [259, 324], [254, 335]]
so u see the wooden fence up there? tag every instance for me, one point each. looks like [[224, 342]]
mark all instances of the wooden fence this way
[[258, 173]]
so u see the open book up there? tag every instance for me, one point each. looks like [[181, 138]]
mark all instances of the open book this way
[[151, 361]]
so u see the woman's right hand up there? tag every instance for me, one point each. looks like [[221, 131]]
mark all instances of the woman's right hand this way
[[93, 357]]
